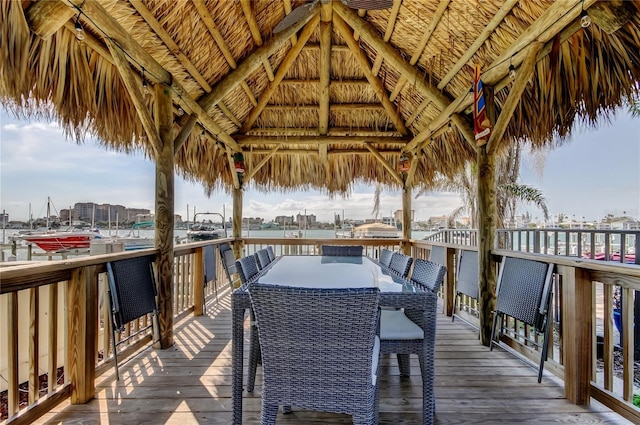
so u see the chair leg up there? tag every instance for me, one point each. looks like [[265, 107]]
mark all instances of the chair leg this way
[[404, 363], [255, 355], [545, 348], [364, 418], [493, 328], [268, 414], [453, 312]]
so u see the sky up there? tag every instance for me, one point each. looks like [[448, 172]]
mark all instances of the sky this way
[[596, 173]]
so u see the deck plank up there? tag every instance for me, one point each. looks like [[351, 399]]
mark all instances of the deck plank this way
[[190, 383]]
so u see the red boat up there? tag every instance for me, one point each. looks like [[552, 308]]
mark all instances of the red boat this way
[[62, 240]]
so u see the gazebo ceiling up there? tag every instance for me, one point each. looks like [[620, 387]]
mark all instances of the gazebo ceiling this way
[[334, 96]]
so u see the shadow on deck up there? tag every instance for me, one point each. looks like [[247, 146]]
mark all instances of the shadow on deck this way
[[190, 383]]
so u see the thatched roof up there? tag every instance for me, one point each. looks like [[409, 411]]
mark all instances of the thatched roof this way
[[333, 99]]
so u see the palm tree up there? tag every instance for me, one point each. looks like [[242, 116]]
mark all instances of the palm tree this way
[[509, 192]]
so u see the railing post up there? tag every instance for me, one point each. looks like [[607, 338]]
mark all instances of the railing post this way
[[450, 283], [576, 330], [198, 282], [82, 319]]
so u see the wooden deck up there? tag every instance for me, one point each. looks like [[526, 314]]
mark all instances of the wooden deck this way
[[191, 384]]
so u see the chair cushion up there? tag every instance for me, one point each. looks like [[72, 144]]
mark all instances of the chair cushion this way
[[394, 324], [374, 360]]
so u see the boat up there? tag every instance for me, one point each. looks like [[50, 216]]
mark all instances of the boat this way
[[205, 232], [133, 240], [376, 230], [345, 232], [61, 240]]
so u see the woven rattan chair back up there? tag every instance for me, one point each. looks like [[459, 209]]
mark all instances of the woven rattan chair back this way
[[342, 250], [262, 258], [400, 264], [524, 293], [427, 274], [228, 261], [385, 257], [247, 268], [272, 255], [437, 255], [318, 346]]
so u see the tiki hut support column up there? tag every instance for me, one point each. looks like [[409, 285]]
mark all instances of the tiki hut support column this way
[[406, 219], [237, 222], [165, 211], [486, 229]]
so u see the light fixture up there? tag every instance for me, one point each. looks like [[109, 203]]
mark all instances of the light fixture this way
[[512, 72], [585, 19], [79, 29], [145, 87], [180, 111]]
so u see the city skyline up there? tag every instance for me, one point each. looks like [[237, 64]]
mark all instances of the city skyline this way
[[594, 174]]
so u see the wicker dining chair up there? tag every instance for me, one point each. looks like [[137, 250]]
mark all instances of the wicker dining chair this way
[[438, 254], [320, 350], [524, 293], [400, 264], [248, 270], [209, 265], [385, 257], [467, 281], [229, 262], [262, 258], [342, 250], [272, 255]]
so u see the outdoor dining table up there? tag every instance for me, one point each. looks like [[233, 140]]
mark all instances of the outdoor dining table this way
[[314, 271]]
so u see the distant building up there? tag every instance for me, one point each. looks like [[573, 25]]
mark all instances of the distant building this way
[[284, 219], [306, 220]]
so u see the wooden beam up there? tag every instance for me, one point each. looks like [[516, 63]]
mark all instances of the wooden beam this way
[[133, 88], [342, 107], [232, 170], [412, 170], [406, 218], [464, 128], [479, 41], [255, 33], [206, 17], [522, 78], [385, 164], [112, 29], [336, 48], [611, 15], [391, 24], [315, 152], [47, 17], [391, 55], [375, 82], [287, 9], [542, 30], [244, 140], [428, 32], [362, 82], [264, 160], [391, 136], [325, 67], [284, 67], [254, 60]]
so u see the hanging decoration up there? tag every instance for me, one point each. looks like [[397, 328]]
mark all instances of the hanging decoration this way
[[238, 162], [481, 123], [404, 164]]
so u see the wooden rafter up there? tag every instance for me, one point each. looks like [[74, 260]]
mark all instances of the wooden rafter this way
[[137, 97], [412, 171], [255, 33], [208, 21], [428, 32], [113, 30], [522, 78], [245, 140], [326, 28], [235, 77], [264, 160], [313, 48], [314, 152], [391, 55], [288, 60], [375, 82], [542, 30], [377, 155], [334, 131], [166, 38], [391, 24], [232, 169], [287, 9], [478, 42], [47, 17], [334, 107]]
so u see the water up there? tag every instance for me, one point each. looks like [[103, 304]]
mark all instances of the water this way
[[181, 234]]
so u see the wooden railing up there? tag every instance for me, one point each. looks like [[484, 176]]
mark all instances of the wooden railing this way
[[56, 328], [44, 307]]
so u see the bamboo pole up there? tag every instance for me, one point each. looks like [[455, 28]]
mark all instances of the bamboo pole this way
[[237, 222]]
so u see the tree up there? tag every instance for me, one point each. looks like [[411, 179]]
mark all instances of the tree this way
[[509, 193]]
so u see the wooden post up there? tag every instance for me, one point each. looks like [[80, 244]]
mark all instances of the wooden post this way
[[198, 281], [449, 290], [82, 320], [486, 229], [237, 222], [406, 219], [164, 212], [576, 331]]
